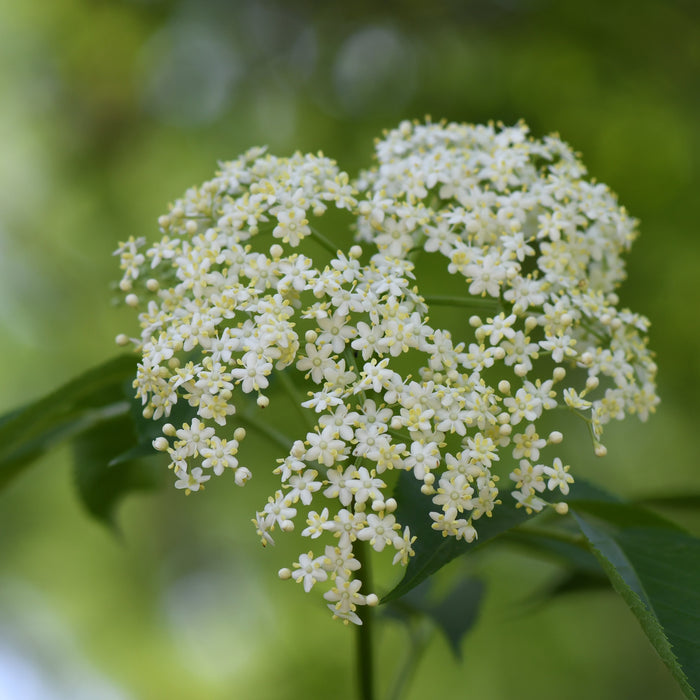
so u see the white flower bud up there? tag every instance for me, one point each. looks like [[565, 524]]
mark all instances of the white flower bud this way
[[600, 450], [263, 401], [390, 505], [558, 374], [475, 322], [132, 300], [530, 324], [562, 508], [285, 574], [242, 476], [586, 359], [122, 339], [592, 383], [355, 252], [152, 285], [161, 444], [372, 600], [504, 386], [555, 437], [125, 285], [276, 251], [169, 429]]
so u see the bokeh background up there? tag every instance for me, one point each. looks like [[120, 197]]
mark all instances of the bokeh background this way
[[108, 111]]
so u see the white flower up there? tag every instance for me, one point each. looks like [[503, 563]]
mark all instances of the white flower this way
[[309, 570], [223, 310]]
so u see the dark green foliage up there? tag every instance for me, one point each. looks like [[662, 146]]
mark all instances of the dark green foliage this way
[[655, 567]]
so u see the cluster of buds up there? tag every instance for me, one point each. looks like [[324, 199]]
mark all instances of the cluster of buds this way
[[228, 306]]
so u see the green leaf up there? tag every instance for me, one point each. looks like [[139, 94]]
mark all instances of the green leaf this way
[[681, 501], [573, 556], [100, 482], [432, 550], [28, 432], [655, 566], [454, 614]]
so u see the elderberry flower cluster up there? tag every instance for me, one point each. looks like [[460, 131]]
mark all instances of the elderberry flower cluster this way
[[229, 307]]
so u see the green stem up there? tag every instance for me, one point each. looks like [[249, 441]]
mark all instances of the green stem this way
[[469, 302], [332, 249], [364, 639], [282, 440], [294, 398]]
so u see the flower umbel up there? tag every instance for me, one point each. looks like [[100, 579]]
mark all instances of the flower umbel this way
[[226, 301]]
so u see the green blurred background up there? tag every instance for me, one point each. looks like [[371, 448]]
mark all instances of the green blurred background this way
[[108, 111]]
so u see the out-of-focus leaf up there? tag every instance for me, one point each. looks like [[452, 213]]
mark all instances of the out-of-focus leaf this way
[[685, 501], [655, 567], [87, 400], [454, 614], [101, 486]]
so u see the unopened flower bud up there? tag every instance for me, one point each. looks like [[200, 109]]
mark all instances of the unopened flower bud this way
[[555, 437], [161, 444]]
